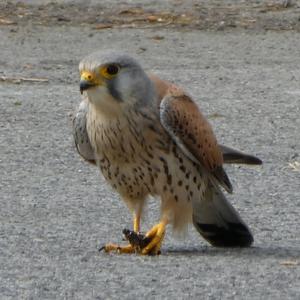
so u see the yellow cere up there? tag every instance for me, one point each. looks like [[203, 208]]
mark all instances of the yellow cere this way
[[90, 77]]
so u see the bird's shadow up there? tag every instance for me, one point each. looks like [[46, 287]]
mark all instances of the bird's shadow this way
[[278, 252]]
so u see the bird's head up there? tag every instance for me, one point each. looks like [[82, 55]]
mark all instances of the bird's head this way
[[114, 80]]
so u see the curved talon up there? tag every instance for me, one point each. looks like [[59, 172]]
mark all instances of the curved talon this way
[[101, 248]]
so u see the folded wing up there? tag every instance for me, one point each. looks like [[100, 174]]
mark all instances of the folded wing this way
[[191, 131], [81, 137]]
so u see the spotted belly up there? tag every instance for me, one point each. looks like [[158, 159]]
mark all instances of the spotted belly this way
[[170, 176], [141, 161]]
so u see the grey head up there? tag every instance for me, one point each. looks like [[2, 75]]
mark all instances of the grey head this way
[[115, 76]]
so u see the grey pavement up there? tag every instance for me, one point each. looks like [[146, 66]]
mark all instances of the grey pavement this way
[[56, 210]]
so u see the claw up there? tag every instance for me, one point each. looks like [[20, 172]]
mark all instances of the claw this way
[[101, 248]]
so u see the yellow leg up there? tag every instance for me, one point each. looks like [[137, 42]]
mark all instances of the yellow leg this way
[[156, 234], [136, 222]]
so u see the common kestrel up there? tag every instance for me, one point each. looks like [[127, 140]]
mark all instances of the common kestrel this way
[[148, 137]]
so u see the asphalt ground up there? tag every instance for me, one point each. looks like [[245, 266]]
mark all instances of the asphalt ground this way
[[56, 210]]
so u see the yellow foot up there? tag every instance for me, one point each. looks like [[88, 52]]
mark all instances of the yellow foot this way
[[137, 242], [119, 249], [156, 235], [148, 244]]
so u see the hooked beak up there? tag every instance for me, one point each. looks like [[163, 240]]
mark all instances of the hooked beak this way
[[84, 85], [88, 80]]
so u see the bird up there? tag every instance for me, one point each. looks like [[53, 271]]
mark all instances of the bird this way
[[148, 137]]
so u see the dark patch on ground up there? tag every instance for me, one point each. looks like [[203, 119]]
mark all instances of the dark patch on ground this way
[[204, 15]]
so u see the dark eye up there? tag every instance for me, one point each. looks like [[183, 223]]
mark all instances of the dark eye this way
[[112, 69]]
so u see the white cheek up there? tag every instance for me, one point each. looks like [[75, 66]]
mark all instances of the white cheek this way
[[103, 101], [98, 95]]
